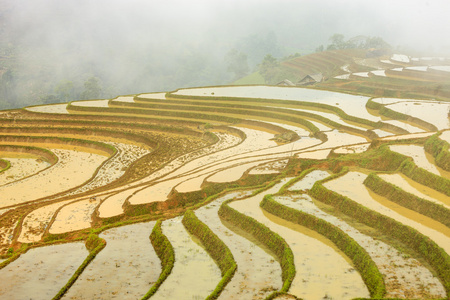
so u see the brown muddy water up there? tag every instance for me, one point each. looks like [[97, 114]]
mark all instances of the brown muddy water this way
[[417, 189], [73, 169], [75, 216], [258, 271], [195, 274], [41, 272], [404, 276], [322, 269], [21, 168], [351, 185], [125, 269], [35, 223], [53, 108], [421, 158]]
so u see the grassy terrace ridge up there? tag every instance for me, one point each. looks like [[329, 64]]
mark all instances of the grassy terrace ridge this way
[[166, 254], [215, 247], [85, 133], [75, 123], [230, 102], [363, 262], [439, 149], [4, 165], [395, 194], [278, 114], [438, 259], [267, 237], [42, 153], [94, 244]]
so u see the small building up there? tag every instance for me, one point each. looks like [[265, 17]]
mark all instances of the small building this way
[[311, 79], [286, 82]]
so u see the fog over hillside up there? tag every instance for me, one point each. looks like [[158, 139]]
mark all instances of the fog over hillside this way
[[49, 49]]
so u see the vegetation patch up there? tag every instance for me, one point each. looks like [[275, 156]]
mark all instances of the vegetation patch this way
[[363, 262], [440, 151], [267, 237], [215, 247], [432, 253], [395, 194], [166, 254]]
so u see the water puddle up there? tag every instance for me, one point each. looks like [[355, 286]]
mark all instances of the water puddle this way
[[258, 272], [112, 205], [352, 149], [125, 269], [308, 181], [421, 158], [195, 275], [233, 173], [21, 168], [351, 104], [35, 223], [404, 276], [73, 169], [417, 189], [322, 270], [432, 112], [91, 103], [53, 109], [318, 154], [351, 185], [42, 272], [75, 216], [269, 168]]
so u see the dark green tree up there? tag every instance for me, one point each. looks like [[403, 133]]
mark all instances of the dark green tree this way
[[92, 88], [64, 91], [269, 68]]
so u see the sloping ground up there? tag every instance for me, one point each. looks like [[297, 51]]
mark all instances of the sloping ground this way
[[222, 152]]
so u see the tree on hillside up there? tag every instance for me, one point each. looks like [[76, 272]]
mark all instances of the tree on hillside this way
[[92, 89], [64, 91], [269, 68], [237, 63], [361, 42]]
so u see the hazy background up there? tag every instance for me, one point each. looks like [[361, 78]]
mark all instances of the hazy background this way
[[62, 50]]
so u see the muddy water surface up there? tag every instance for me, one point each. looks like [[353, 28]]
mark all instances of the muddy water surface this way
[[352, 149], [308, 181], [351, 185], [75, 216], [53, 108], [417, 189], [112, 204], [421, 158], [408, 136], [125, 269], [258, 272], [36, 222], [322, 270], [42, 272], [21, 168], [435, 113], [270, 168], [194, 275], [74, 168], [91, 103], [233, 173], [404, 276]]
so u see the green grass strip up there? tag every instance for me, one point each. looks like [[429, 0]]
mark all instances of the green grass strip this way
[[94, 244], [166, 254], [362, 260], [216, 249], [440, 151], [436, 182], [4, 165], [395, 194], [438, 259], [387, 112], [267, 237]]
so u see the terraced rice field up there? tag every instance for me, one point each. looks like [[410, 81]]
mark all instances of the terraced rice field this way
[[249, 192]]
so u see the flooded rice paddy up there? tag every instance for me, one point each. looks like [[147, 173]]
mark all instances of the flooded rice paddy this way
[[195, 274], [128, 266], [40, 273], [322, 270], [351, 185]]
